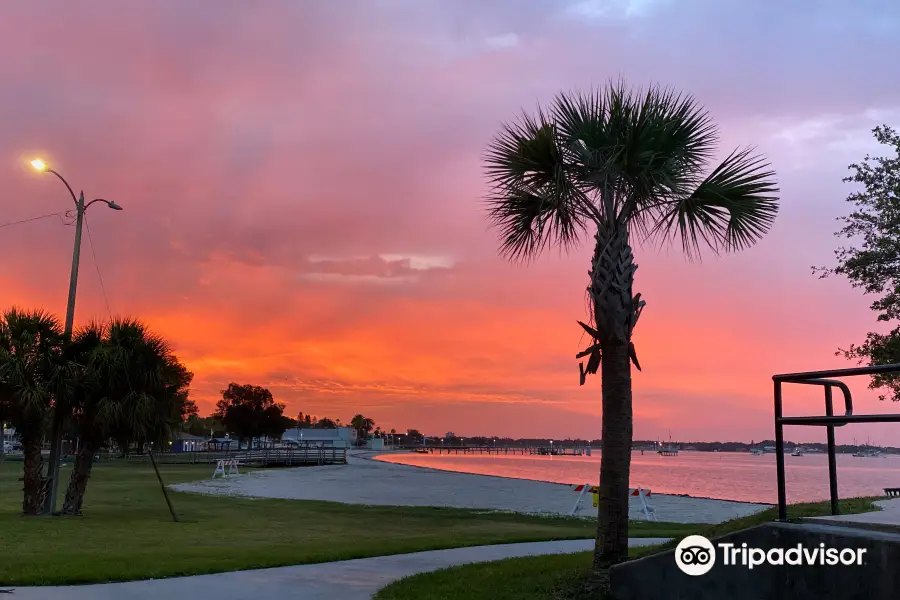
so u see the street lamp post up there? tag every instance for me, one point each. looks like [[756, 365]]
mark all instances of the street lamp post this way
[[58, 415]]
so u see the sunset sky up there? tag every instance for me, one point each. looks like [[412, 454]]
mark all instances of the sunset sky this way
[[302, 188]]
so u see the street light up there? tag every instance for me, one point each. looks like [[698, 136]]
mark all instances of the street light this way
[[58, 416]]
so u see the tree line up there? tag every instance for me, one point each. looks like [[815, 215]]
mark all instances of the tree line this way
[[250, 412]]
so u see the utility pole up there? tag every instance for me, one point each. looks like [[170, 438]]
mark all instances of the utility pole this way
[[59, 416]]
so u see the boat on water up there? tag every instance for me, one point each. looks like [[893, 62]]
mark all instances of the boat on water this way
[[668, 450], [868, 454], [867, 451], [757, 452], [797, 451]]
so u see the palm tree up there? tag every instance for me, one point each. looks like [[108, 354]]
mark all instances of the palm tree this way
[[32, 373], [621, 164], [362, 425], [88, 392], [130, 387]]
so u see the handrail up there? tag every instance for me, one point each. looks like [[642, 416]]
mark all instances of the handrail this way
[[850, 372], [830, 383], [829, 421]]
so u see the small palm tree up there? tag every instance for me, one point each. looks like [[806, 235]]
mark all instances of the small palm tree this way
[[362, 425], [32, 374], [130, 387], [621, 165]]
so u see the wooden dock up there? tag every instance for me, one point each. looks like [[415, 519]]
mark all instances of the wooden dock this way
[[505, 450]]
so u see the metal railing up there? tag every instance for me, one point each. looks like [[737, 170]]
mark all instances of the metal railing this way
[[829, 420]]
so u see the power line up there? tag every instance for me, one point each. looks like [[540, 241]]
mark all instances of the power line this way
[[56, 214], [97, 265]]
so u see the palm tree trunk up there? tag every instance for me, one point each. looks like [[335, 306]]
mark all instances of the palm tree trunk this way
[[81, 472], [611, 544], [615, 314], [33, 476]]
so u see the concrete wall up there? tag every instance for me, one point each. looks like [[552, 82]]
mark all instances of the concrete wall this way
[[878, 578]]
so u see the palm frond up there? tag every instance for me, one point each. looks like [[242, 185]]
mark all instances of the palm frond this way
[[530, 222], [532, 200], [731, 209], [31, 343], [635, 145], [623, 157], [131, 385]]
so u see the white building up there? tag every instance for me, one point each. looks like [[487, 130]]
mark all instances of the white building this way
[[342, 437], [10, 440]]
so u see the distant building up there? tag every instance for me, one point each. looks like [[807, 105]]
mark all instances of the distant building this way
[[220, 444], [10, 441], [185, 442], [341, 437]]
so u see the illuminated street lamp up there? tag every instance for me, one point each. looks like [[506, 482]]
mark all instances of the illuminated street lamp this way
[[56, 431]]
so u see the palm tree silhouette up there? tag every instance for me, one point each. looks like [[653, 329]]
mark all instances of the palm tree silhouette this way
[[621, 164]]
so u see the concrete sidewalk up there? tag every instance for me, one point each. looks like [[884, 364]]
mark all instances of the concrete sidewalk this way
[[889, 515], [345, 580]]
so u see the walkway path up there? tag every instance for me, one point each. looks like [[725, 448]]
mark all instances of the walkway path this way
[[888, 515], [348, 580]]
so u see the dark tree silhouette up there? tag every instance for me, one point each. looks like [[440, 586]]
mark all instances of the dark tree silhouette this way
[[873, 263], [250, 411]]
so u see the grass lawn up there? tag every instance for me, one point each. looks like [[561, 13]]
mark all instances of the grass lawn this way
[[126, 532], [562, 577]]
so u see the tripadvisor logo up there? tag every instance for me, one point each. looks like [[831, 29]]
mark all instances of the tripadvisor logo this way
[[696, 555]]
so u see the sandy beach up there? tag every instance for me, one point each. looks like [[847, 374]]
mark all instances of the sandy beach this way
[[367, 481]]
